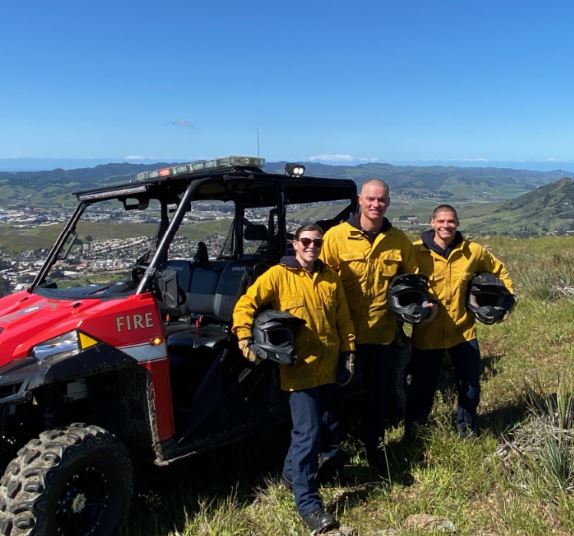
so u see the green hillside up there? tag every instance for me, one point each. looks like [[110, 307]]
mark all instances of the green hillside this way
[[440, 182], [548, 209], [19, 239], [56, 187]]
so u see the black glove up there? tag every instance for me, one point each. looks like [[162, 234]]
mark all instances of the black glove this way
[[346, 368]]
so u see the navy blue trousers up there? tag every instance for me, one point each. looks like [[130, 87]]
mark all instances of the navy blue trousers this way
[[425, 368], [376, 362], [315, 414]]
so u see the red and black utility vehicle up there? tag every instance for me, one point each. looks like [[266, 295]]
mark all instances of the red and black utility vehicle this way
[[120, 349]]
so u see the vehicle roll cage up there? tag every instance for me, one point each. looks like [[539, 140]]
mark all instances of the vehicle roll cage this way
[[246, 187]]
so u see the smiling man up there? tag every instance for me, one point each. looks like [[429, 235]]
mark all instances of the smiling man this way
[[450, 262], [367, 252]]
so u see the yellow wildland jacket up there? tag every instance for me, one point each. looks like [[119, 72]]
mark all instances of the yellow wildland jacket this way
[[366, 270], [449, 278], [319, 299]]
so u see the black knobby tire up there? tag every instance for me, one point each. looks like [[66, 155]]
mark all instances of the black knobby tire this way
[[71, 481]]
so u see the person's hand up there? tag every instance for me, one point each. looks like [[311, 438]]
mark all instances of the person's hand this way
[[432, 309], [346, 368], [245, 347]]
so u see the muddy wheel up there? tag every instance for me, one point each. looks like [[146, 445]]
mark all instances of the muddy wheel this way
[[70, 481]]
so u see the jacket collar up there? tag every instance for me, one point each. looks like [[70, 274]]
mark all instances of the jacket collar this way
[[355, 221], [428, 240], [293, 263]]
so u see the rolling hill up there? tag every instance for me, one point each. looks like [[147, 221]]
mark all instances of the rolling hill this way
[[440, 182], [547, 209], [54, 188], [491, 200]]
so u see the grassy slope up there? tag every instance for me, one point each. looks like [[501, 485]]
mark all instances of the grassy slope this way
[[547, 209], [18, 239], [465, 482]]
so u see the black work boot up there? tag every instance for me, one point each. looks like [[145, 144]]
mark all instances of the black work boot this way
[[320, 522]]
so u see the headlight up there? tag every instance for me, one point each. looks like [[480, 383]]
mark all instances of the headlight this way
[[65, 345]]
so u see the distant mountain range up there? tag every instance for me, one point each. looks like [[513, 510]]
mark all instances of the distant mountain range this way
[[56, 187], [443, 183], [491, 200], [41, 164]]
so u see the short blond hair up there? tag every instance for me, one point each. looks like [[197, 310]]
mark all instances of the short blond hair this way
[[380, 182]]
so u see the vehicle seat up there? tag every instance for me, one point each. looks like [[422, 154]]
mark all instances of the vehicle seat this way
[[201, 291], [183, 269], [198, 284], [229, 287], [213, 292]]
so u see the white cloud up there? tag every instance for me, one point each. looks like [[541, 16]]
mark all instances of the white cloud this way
[[332, 158], [167, 158], [337, 157], [139, 157], [183, 123], [439, 161]]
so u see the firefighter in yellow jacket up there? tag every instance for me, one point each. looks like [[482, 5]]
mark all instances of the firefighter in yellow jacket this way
[[305, 287], [450, 262], [367, 252]]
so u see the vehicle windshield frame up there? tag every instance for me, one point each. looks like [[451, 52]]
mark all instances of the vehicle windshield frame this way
[[247, 188]]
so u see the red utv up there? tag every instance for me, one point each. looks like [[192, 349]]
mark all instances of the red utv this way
[[120, 349]]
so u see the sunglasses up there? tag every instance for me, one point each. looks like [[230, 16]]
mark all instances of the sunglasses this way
[[318, 242]]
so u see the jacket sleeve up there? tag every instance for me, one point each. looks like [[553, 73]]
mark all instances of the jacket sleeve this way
[[260, 293], [489, 263], [345, 325], [417, 252], [329, 253], [410, 263]]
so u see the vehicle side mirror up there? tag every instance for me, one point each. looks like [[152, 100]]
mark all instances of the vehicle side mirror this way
[[168, 289]]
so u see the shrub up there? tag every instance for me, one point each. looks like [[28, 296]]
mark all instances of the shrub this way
[[540, 451]]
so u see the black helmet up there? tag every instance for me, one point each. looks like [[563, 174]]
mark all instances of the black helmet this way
[[405, 298], [488, 299], [274, 336]]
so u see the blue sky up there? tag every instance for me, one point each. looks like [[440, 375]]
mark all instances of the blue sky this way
[[478, 81]]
